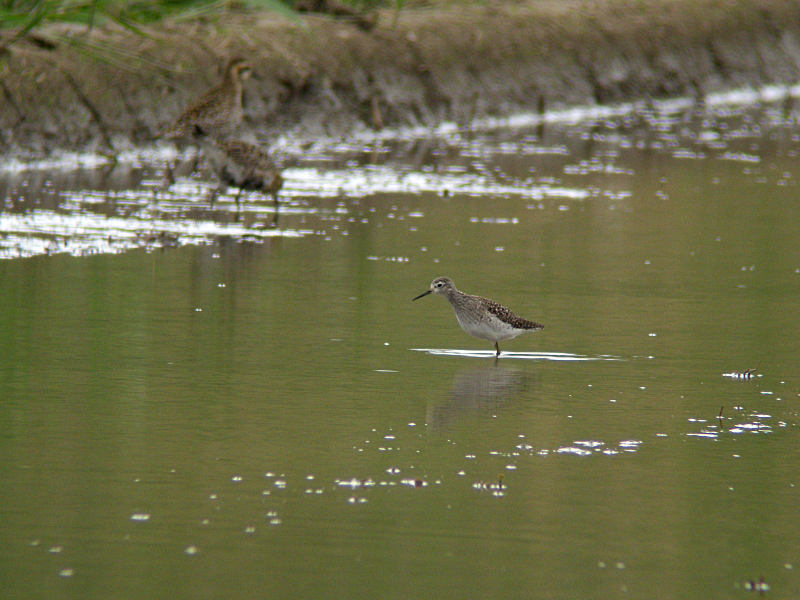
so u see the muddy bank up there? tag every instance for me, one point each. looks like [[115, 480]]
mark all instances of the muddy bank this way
[[112, 88]]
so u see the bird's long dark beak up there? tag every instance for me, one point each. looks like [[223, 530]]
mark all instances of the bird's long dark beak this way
[[425, 293]]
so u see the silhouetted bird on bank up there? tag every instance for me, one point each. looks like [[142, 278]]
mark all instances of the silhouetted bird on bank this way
[[242, 165], [479, 316], [219, 111]]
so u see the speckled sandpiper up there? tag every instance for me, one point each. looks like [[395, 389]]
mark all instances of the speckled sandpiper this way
[[479, 316], [243, 165], [217, 112]]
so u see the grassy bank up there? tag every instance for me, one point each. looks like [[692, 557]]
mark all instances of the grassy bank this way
[[115, 83]]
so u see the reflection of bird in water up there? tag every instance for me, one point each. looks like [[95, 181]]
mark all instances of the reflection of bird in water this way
[[243, 165], [217, 112], [478, 390], [479, 316]]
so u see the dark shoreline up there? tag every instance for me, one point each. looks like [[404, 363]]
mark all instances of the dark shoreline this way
[[320, 76]]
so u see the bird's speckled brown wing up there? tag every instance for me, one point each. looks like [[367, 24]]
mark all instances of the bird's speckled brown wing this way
[[248, 155], [505, 315], [246, 165], [217, 111]]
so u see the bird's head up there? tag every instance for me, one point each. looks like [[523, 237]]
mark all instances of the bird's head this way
[[440, 285]]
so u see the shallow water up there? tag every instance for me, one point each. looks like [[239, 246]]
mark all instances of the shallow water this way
[[200, 403]]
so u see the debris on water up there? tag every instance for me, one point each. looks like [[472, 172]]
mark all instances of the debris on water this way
[[497, 489], [354, 482], [745, 375], [140, 517], [761, 586]]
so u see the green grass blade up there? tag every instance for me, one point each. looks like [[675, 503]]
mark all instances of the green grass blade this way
[[41, 9], [276, 6]]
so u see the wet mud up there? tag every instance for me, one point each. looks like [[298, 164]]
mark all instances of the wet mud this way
[[110, 89]]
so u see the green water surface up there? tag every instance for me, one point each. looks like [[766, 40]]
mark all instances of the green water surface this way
[[264, 419]]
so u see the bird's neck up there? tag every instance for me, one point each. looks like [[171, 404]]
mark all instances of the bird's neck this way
[[453, 296], [234, 82]]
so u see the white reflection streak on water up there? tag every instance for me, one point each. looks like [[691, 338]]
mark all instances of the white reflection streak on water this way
[[83, 233], [77, 231], [554, 356], [386, 180], [594, 447]]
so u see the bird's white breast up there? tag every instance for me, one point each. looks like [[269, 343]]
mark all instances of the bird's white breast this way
[[488, 328]]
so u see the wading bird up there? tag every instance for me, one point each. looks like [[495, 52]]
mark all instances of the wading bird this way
[[218, 112], [481, 317]]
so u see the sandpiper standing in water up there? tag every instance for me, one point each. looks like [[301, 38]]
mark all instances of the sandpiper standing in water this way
[[243, 165], [218, 112], [479, 316]]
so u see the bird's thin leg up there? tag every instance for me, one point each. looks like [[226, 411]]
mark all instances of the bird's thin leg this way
[[169, 176], [275, 216], [238, 206], [497, 347], [276, 205], [212, 197], [195, 162]]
